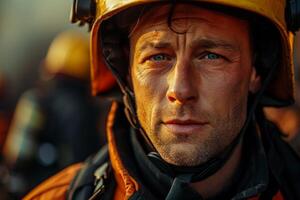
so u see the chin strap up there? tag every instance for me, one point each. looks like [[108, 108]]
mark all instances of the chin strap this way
[[130, 112], [195, 173]]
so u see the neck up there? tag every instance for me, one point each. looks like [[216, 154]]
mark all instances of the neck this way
[[222, 179]]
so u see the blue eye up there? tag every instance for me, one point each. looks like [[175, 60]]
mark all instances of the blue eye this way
[[212, 56], [159, 57]]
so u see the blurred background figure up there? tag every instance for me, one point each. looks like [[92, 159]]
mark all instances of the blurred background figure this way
[[52, 119], [24, 42], [288, 118]]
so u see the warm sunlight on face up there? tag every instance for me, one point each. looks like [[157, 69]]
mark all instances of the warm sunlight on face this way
[[191, 85]]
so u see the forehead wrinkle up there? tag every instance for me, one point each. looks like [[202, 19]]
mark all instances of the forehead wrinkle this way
[[185, 19], [159, 14], [208, 43], [155, 40], [148, 23]]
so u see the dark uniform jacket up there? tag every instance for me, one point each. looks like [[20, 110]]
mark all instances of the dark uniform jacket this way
[[270, 169]]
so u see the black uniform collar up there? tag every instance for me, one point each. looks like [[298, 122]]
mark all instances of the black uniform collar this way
[[252, 179], [156, 184]]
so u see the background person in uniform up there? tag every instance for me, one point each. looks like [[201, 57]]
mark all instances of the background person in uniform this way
[[58, 122], [288, 118]]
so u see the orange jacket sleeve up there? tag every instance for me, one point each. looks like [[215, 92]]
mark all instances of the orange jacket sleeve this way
[[56, 187]]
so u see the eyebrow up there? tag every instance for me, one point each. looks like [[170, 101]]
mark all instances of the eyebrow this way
[[198, 43], [213, 43], [155, 45]]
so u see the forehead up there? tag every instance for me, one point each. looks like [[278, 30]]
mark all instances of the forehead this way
[[184, 16]]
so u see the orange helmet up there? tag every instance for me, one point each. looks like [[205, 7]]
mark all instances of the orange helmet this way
[[284, 15], [69, 54]]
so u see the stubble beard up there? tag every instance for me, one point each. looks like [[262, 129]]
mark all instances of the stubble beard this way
[[195, 149]]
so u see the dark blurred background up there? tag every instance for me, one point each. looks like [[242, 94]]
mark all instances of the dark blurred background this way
[[26, 30]]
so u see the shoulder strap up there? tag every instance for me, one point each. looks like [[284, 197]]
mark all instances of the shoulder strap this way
[[89, 176]]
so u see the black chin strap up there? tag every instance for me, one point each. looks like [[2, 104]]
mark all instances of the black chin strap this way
[[200, 172]]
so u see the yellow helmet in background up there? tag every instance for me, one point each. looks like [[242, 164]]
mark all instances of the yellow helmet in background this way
[[69, 54], [282, 14]]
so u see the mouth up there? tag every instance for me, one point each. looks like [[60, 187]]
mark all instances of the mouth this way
[[184, 127]]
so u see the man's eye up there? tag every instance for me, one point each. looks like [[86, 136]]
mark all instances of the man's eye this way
[[159, 57], [212, 56]]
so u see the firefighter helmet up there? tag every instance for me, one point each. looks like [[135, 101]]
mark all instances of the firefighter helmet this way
[[69, 54], [284, 15]]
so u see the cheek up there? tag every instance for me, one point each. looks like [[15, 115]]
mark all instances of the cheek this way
[[226, 95], [149, 94], [142, 101]]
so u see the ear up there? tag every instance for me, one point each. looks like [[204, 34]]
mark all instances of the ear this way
[[255, 81]]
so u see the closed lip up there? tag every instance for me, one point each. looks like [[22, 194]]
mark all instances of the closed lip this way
[[185, 127], [185, 122]]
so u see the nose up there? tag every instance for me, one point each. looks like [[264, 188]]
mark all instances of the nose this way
[[182, 87]]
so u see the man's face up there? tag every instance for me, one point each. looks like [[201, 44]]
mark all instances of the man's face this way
[[191, 83]]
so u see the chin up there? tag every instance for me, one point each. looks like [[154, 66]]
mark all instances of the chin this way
[[184, 154]]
